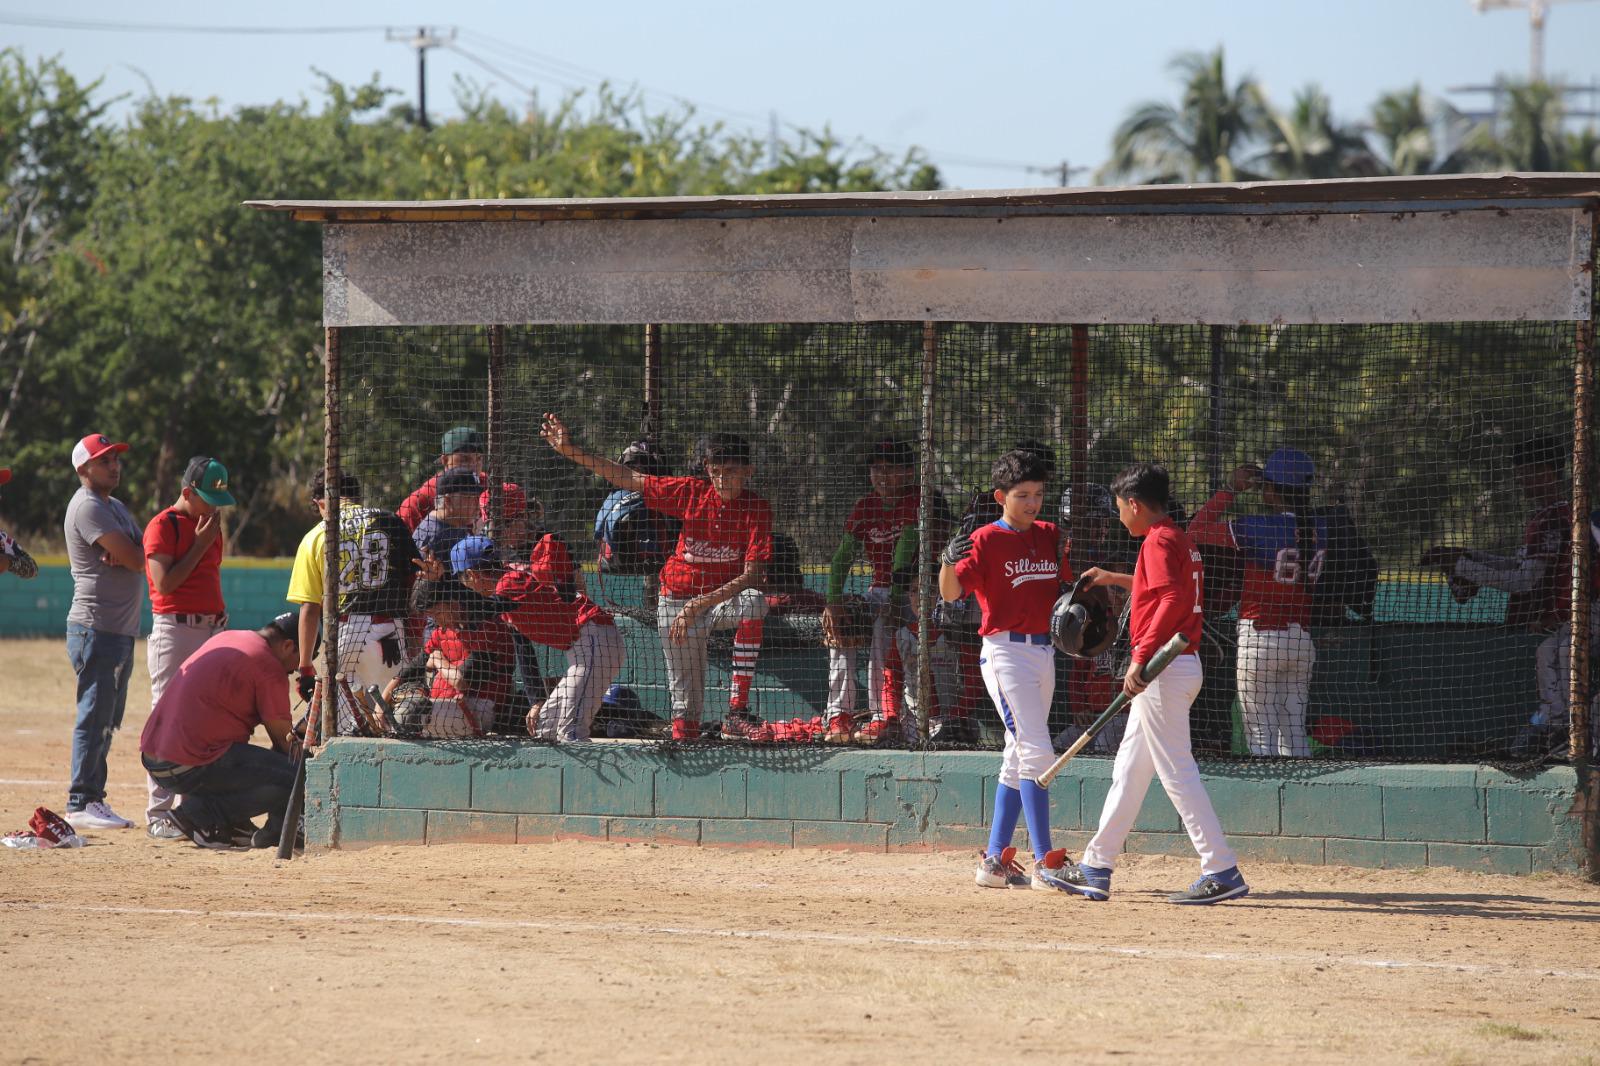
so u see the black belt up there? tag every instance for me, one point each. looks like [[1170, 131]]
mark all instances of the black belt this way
[[218, 620], [161, 768]]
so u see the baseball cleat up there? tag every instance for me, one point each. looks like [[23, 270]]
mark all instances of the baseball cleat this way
[[1048, 872], [164, 829], [1214, 888], [841, 728], [885, 730], [1001, 871], [1090, 882]]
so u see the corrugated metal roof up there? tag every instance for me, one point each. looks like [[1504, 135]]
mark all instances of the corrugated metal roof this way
[[1431, 190]]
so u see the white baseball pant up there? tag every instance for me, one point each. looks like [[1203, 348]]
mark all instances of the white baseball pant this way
[[686, 662], [1274, 674], [172, 640], [1021, 679], [593, 662], [361, 658], [1156, 744], [842, 661], [1551, 661]]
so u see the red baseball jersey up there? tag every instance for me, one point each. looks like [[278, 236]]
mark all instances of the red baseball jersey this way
[[551, 562], [171, 533], [718, 537], [492, 638], [1167, 592], [540, 613], [1016, 575], [877, 523], [1276, 591]]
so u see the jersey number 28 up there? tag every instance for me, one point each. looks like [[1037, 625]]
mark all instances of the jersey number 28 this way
[[364, 563]]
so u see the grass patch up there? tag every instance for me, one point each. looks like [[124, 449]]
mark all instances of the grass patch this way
[[1505, 1031]]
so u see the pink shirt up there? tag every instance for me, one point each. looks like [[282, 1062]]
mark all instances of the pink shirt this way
[[220, 694]]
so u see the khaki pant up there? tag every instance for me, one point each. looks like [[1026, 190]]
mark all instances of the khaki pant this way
[[171, 642]]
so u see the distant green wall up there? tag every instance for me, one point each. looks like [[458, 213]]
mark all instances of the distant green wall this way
[[38, 608]]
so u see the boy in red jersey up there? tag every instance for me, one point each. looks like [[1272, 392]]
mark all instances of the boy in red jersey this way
[[712, 579], [1013, 566], [1166, 601]]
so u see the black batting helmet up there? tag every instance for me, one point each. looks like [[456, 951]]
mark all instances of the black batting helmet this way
[[1082, 623]]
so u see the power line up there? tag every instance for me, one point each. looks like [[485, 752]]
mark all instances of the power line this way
[[538, 65], [8, 18]]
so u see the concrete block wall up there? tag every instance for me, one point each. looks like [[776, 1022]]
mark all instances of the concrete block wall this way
[[366, 792]]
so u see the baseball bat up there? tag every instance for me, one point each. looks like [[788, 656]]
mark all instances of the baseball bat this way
[[1169, 651], [297, 791]]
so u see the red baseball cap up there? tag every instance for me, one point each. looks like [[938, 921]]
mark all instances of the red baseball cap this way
[[513, 502], [93, 447], [5, 475]]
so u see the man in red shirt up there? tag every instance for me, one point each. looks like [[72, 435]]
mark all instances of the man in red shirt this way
[[197, 741], [461, 447], [712, 580], [183, 560], [1167, 599]]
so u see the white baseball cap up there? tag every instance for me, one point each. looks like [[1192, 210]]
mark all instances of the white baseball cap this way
[[93, 447]]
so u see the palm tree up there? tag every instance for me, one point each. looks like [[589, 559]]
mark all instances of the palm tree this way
[[1202, 138], [1419, 134], [1527, 133], [1307, 142]]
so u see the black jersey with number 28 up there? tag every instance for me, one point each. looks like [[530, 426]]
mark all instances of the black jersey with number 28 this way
[[376, 562]]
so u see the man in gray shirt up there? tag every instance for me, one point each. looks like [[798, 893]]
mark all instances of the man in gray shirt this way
[[106, 550]]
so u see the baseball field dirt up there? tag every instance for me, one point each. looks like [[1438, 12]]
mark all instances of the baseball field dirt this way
[[134, 950]]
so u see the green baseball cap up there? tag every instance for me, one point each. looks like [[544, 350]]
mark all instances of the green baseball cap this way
[[461, 439], [209, 479]]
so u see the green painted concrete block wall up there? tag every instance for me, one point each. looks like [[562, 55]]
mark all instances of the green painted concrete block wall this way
[[363, 792]]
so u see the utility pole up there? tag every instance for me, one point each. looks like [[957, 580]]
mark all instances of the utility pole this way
[[1538, 11], [425, 38], [1061, 172]]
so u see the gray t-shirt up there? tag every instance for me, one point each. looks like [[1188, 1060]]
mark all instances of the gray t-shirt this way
[[104, 597]]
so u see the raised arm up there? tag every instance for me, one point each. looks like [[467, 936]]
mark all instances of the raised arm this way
[[556, 435]]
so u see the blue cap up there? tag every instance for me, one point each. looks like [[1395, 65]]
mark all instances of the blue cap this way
[[470, 553], [622, 698], [1289, 467]]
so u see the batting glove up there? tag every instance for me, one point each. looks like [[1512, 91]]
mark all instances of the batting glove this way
[[959, 548], [307, 685]]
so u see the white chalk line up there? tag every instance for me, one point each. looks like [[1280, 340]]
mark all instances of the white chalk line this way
[[63, 785], [806, 936]]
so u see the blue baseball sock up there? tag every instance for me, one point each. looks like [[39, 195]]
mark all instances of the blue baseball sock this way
[[1036, 809], [1007, 807]]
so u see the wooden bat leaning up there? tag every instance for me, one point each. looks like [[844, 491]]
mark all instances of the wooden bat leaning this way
[[297, 791], [1169, 651]]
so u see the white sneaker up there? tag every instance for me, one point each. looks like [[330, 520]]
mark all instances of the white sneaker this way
[[98, 815], [164, 829]]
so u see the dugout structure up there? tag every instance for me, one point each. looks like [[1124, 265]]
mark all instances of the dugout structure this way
[[1414, 337]]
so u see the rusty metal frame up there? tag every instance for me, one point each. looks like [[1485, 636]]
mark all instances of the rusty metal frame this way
[[925, 539], [495, 461], [330, 531], [1579, 687]]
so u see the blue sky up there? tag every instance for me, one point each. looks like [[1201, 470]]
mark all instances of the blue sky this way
[[988, 89]]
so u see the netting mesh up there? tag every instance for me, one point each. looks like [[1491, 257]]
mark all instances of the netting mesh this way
[[1393, 448]]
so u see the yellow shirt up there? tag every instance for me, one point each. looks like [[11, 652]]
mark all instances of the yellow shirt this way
[[305, 580]]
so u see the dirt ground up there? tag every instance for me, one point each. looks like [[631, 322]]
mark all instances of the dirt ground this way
[[133, 950]]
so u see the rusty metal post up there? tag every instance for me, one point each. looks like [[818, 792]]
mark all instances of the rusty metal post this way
[[330, 532], [1078, 445], [652, 383], [1214, 444], [925, 555], [496, 460], [1578, 680]]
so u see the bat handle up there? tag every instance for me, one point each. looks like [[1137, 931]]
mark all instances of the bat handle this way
[[1168, 652]]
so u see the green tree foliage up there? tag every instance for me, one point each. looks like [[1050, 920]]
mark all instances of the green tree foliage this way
[[1308, 142], [139, 299], [1204, 137]]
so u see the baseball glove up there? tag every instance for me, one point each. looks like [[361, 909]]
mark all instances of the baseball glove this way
[[847, 624]]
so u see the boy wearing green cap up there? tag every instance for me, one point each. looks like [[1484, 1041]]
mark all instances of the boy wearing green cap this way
[[183, 560]]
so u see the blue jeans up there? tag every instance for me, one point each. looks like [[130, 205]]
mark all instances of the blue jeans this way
[[104, 663], [242, 782]]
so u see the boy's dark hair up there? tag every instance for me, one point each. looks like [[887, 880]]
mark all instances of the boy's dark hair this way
[[722, 448], [1013, 468], [1046, 454], [1146, 482], [1540, 450], [349, 487]]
